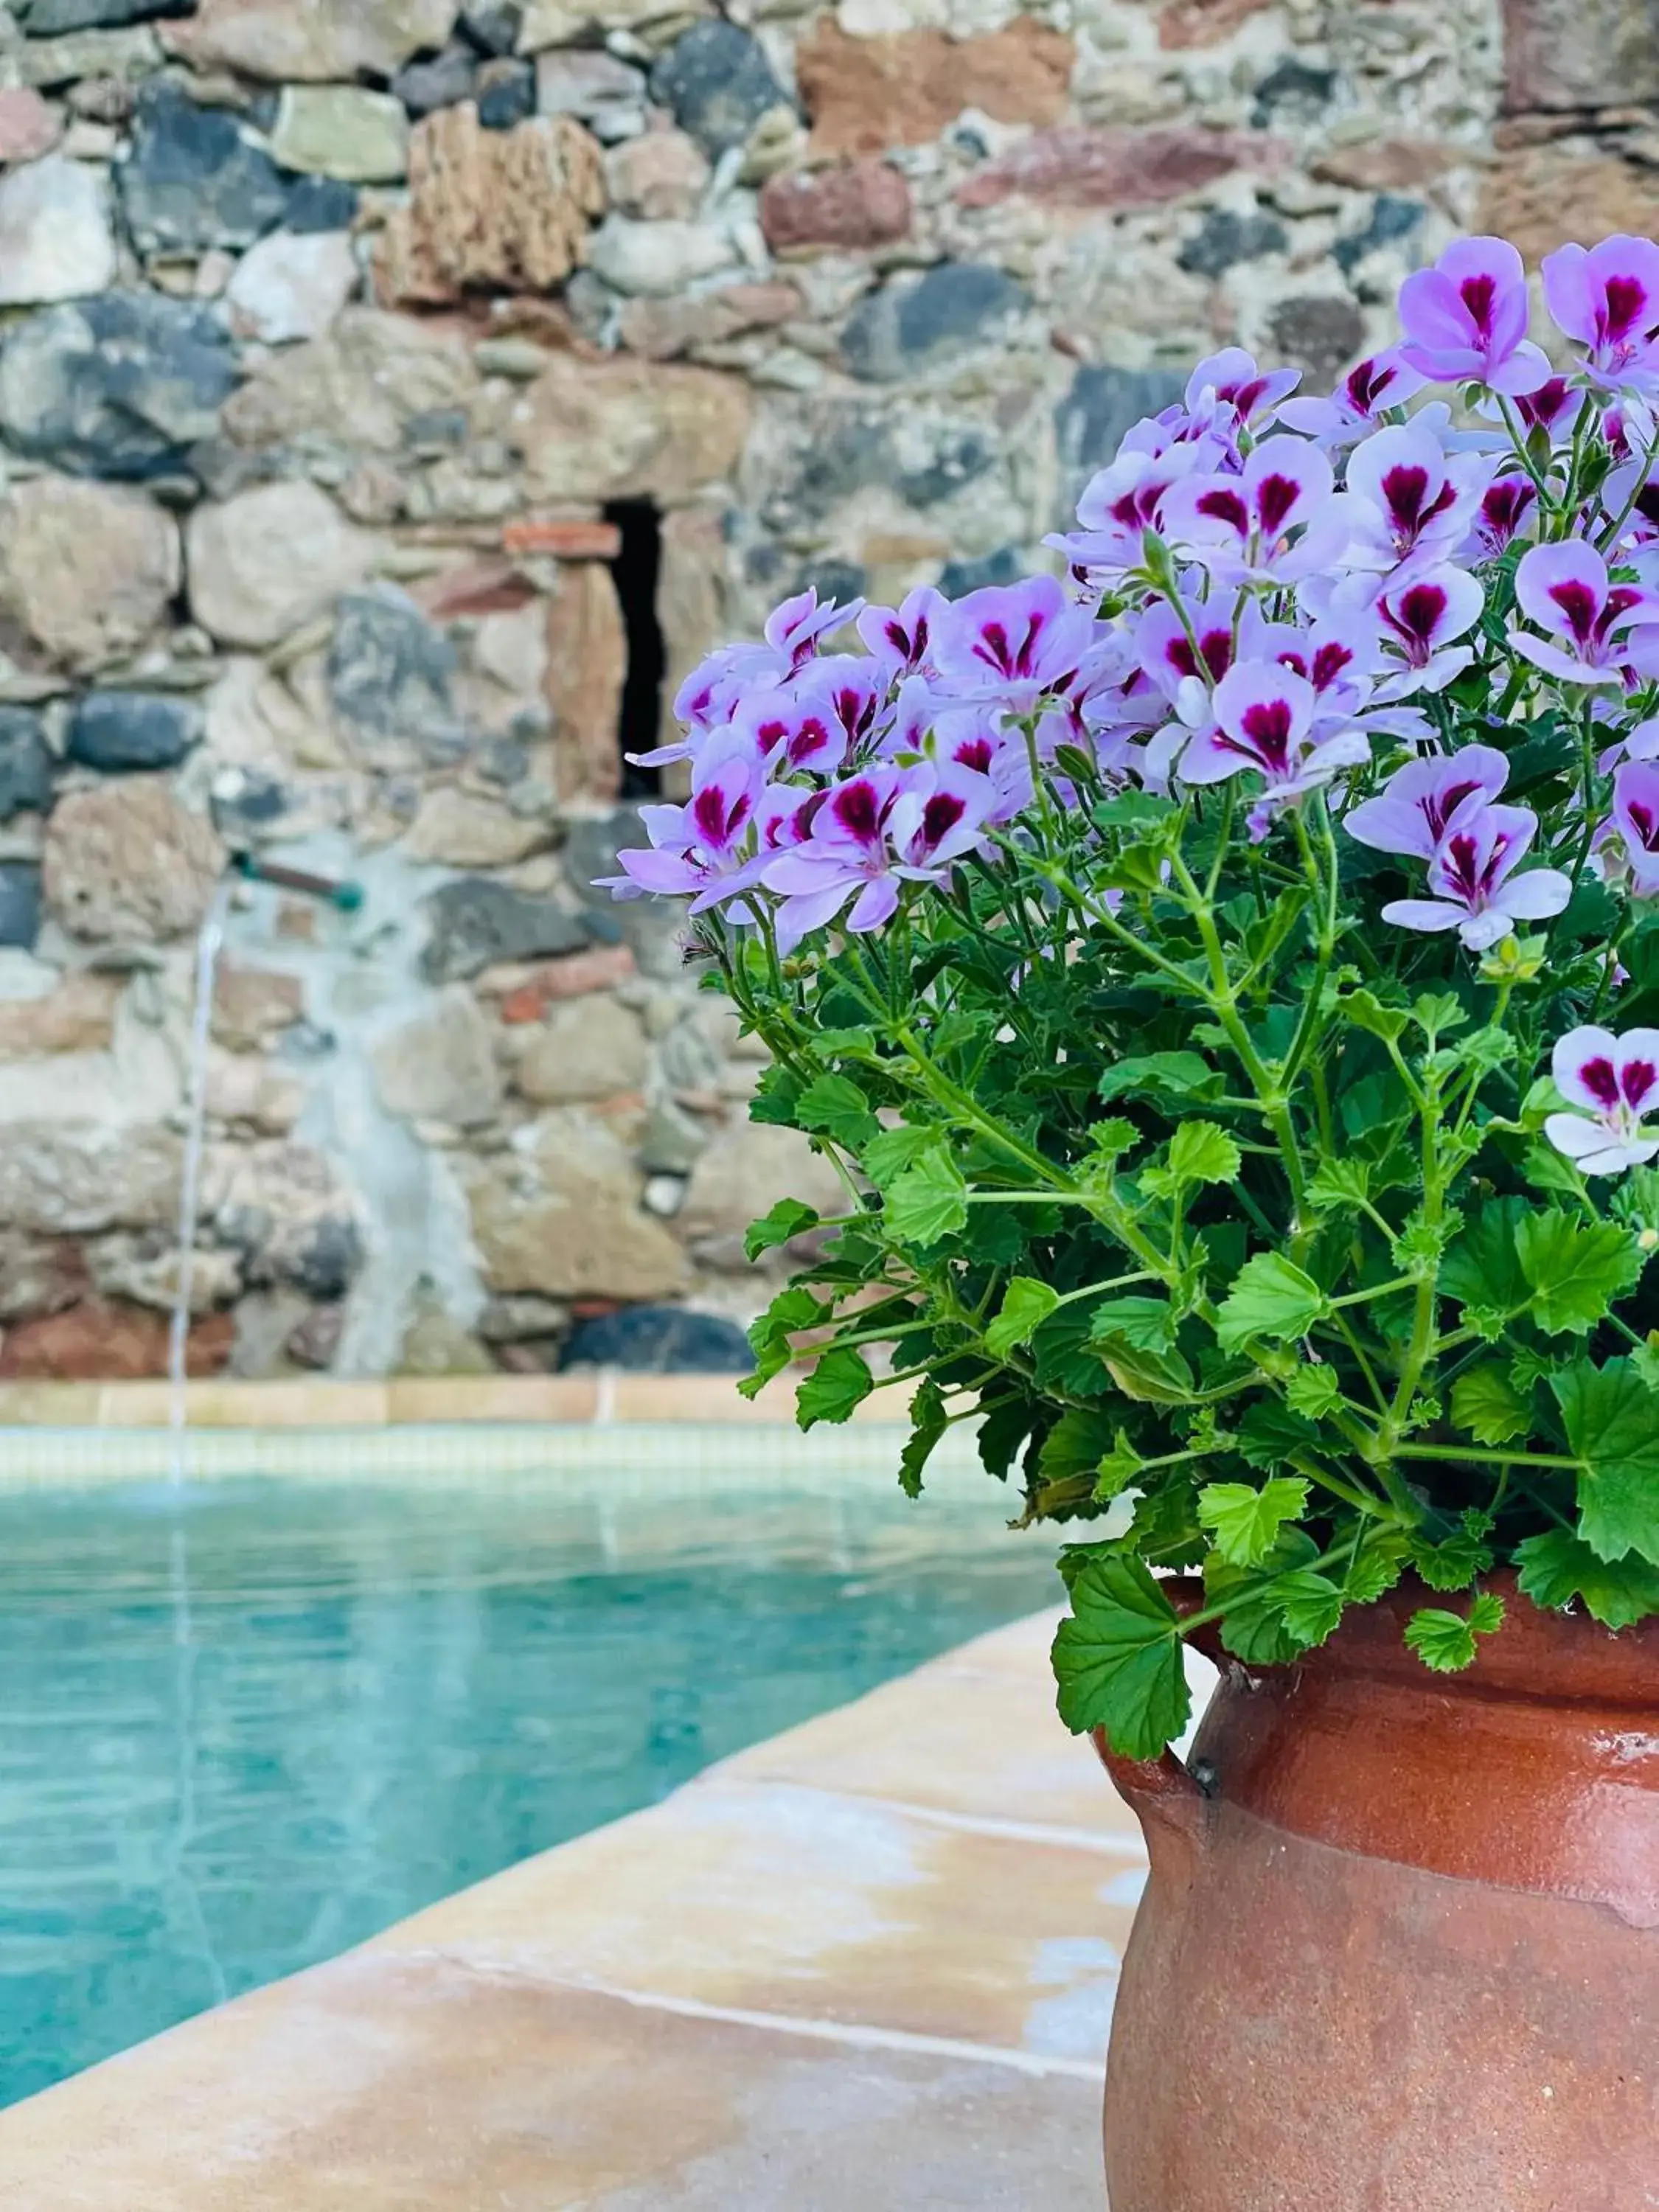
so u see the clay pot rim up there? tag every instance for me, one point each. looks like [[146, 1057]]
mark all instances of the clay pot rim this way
[[1546, 1658]]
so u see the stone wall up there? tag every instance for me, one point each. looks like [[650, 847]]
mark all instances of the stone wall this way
[[377, 374]]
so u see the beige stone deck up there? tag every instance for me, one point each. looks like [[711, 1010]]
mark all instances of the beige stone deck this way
[[865, 1967]]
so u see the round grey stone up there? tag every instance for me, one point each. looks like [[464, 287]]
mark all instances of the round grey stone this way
[[659, 1340], [901, 329], [19, 904], [117, 732], [25, 764]]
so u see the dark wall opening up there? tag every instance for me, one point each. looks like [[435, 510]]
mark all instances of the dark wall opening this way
[[636, 570]]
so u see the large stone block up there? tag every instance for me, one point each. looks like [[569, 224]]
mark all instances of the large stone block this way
[[905, 329], [291, 287], [563, 1218], [89, 570], [747, 1169], [864, 95], [56, 239], [68, 1178], [356, 391], [474, 922], [587, 1050], [196, 178], [127, 861], [53, 18], [440, 1065], [1541, 198], [591, 431], [1579, 53], [718, 83], [458, 829], [586, 668], [391, 673], [122, 386], [108, 1340], [342, 131], [490, 210], [25, 763], [270, 559], [319, 42], [118, 732], [852, 207]]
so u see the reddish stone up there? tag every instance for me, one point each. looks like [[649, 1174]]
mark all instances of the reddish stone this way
[[483, 587], [569, 539], [100, 1341], [1117, 168], [1204, 22], [1563, 54], [29, 128], [576, 976], [861, 204], [903, 89]]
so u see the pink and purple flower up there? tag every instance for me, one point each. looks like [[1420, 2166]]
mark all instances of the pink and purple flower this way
[[1465, 320], [1472, 875], [1611, 1083], [1599, 632], [1606, 299]]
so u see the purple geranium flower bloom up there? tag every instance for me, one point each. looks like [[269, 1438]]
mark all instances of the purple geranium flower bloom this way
[[1422, 617], [902, 638], [1555, 407], [1165, 641], [1465, 320], [1356, 407], [1263, 720], [705, 847], [1607, 299], [1607, 630], [871, 835], [1241, 527], [1471, 874], [1122, 503], [795, 628], [1405, 499], [1612, 1082], [1232, 378], [1418, 805], [793, 733], [710, 695], [972, 738], [1505, 507], [1636, 822], [1016, 640]]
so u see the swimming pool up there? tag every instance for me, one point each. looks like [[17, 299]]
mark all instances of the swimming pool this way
[[244, 1724]]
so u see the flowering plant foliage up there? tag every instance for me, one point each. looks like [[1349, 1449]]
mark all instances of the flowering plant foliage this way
[[1228, 981]]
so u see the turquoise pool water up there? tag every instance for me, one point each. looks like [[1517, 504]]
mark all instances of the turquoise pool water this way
[[246, 1726]]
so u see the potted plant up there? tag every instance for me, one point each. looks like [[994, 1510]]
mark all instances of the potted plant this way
[[1227, 982]]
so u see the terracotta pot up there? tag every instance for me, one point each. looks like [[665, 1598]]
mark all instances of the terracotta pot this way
[[1400, 1947]]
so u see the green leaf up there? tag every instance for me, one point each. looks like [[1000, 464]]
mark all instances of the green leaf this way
[[1487, 1614], [840, 1381], [928, 1424], [1645, 1360], [1269, 1433], [1312, 1392], [1558, 1570], [1181, 1075], [1376, 1566], [1002, 1433], [1118, 1468], [1075, 1445], [1271, 1297], [1345, 1182], [885, 1158], [1487, 1406], [1245, 1522], [1309, 1605], [1114, 1137], [791, 1310], [1609, 1416], [834, 1106], [775, 1098], [787, 1219], [928, 1201], [1453, 1564], [1153, 1378], [1482, 1270], [1025, 1302], [1442, 1641], [1147, 1324], [1366, 1012], [1574, 1268], [1118, 1659], [1202, 1152]]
